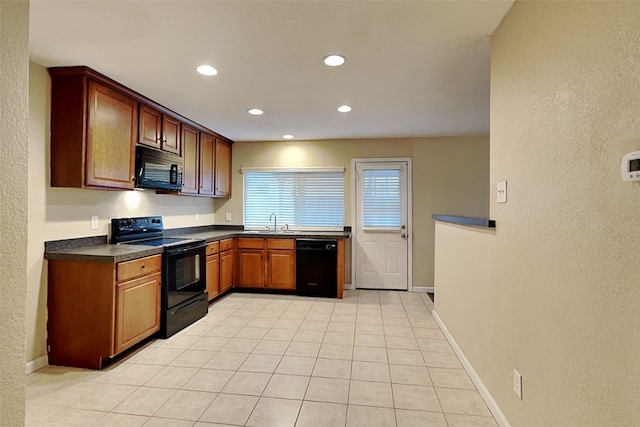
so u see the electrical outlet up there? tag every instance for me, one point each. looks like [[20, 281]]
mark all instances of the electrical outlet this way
[[197, 217], [501, 188], [517, 384], [94, 222], [227, 217]]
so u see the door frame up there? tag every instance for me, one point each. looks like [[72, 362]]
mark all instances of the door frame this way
[[355, 161]]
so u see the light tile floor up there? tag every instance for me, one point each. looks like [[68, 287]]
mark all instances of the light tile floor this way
[[374, 358]]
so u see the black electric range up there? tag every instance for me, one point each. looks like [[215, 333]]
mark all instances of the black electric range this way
[[184, 299]]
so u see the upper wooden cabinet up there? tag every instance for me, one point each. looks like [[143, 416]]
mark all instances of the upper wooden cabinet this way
[[97, 122], [207, 164], [159, 130], [98, 152], [191, 162], [223, 169]]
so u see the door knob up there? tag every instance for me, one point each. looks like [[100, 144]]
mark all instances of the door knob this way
[[404, 236]]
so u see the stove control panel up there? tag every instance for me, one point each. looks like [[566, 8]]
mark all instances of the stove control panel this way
[[126, 229]]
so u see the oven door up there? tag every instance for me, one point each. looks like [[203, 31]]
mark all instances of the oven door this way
[[184, 273]]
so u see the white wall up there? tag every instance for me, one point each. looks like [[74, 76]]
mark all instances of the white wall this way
[[63, 213], [562, 296], [14, 68]]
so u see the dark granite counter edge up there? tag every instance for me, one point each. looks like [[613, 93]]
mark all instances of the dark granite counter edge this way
[[59, 245], [463, 220], [64, 256]]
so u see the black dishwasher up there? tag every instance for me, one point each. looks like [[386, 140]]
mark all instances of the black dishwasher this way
[[317, 268]]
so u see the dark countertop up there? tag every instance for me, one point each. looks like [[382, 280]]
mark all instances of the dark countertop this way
[[103, 253], [463, 220], [119, 253], [212, 236]]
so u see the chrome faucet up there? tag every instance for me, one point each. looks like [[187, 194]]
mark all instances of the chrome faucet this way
[[275, 221]]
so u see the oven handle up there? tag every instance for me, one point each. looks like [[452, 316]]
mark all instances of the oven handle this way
[[188, 249], [199, 301]]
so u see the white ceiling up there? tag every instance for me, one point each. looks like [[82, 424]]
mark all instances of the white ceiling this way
[[414, 68]]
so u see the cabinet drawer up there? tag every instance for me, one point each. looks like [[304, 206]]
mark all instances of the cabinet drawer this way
[[281, 243], [226, 244], [138, 267], [213, 248], [250, 243]]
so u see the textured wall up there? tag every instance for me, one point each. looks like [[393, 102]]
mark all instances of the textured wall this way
[[565, 107], [14, 70], [62, 213], [450, 175]]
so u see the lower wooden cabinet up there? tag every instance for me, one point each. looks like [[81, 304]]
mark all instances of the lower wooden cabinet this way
[[213, 270], [281, 269], [96, 310], [137, 310], [226, 270], [250, 268], [266, 263]]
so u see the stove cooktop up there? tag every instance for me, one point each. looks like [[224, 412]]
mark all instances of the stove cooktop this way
[[162, 241]]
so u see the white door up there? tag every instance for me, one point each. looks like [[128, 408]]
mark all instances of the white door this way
[[381, 232]]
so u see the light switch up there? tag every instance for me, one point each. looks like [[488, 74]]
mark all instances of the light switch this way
[[502, 191]]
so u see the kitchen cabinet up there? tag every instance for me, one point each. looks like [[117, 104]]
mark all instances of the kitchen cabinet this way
[[190, 143], [213, 270], [96, 123], [94, 129], [266, 263], [159, 130], [207, 164], [227, 249], [281, 264], [199, 161], [223, 169], [96, 310]]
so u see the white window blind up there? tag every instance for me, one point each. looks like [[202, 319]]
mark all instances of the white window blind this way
[[381, 198], [301, 198]]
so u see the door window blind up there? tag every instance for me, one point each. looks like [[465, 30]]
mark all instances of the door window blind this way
[[301, 198], [381, 198]]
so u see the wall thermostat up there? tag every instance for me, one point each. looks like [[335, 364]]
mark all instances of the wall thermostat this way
[[630, 166]]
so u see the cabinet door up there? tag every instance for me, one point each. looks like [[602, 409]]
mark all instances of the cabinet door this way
[[213, 276], [171, 135], [149, 131], [137, 311], [223, 169], [111, 138], [226, 270], [281, 269], [207, 160], [250, 268], [190, 159]]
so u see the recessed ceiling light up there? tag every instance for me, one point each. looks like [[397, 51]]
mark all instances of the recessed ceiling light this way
[[344, 108], [207, 70], [287, 136], [255, 111], [334, 60]]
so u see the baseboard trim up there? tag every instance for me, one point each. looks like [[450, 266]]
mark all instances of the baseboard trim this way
[[482, 389], [35, 364], [426, 289]]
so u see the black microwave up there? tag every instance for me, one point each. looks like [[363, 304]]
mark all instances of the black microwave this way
[[157, 169]]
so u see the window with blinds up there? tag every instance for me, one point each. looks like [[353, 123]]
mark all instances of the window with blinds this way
[[381, 198], [302, 198]]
